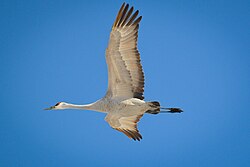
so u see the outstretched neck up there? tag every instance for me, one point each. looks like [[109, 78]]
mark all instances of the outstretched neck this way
[[76, 106], [91, 106]]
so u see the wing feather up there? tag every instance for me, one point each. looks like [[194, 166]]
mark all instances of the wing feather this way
[[126, 125], [126, 77]]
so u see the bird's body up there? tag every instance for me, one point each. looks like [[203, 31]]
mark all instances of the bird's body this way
[[122, 107], [124, 101]]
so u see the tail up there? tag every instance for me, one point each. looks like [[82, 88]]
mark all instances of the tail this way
[[156, 108]]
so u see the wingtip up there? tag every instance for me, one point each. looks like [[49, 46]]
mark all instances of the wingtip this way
[[135, 135], [124, 17], [123, 4]]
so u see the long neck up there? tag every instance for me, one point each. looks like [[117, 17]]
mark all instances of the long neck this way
[[92, 106]]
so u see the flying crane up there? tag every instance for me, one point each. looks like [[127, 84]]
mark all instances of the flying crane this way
[[124, 101]]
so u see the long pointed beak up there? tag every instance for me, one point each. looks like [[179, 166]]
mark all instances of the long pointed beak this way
[[50, 108]]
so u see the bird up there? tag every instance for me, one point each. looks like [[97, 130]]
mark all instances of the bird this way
[[123, 102]]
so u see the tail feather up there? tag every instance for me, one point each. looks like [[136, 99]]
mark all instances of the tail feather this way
[[156, 109]]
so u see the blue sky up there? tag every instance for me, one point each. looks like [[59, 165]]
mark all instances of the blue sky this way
[[195, 55]]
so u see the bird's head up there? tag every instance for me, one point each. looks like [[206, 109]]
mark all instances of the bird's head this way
[[58, 106]]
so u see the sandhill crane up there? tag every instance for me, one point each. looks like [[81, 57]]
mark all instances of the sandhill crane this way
[[124, 102]]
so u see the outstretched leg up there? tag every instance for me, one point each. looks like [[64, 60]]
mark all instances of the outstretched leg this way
[[156, 109], [171, 110]]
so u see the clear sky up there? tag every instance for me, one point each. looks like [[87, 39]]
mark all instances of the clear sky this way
[[195, 55]]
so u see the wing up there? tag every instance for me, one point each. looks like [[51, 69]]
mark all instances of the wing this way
[[125, 74], [126, 125]]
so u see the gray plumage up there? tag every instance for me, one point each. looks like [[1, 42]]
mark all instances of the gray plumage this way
[[124, 101]]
